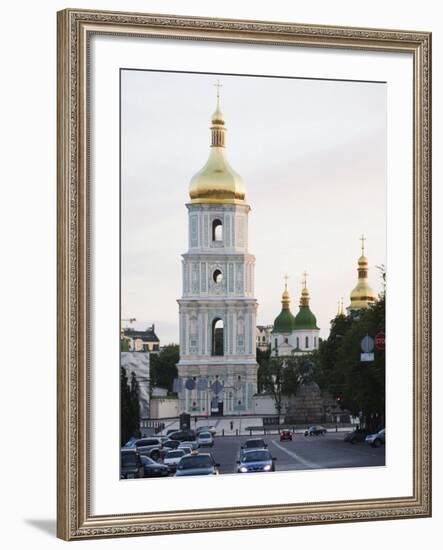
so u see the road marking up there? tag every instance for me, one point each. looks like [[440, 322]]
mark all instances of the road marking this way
[[307, 463]]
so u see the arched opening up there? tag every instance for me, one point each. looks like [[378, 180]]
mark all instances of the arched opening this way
[[217, 230], [217, 276], [217, 337]]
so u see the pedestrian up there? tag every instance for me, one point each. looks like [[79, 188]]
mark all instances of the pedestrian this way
[[232, 425]]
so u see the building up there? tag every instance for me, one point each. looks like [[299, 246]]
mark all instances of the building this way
[[362, 295], [295, 335], [141, 340], [217, 371], [263, 337]]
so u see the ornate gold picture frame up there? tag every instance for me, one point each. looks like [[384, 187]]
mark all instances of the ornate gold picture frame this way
[[74, 516]]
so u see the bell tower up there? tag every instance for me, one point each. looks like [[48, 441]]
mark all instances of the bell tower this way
[[217, 311]]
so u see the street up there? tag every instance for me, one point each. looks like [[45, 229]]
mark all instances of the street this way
[[302, 453]]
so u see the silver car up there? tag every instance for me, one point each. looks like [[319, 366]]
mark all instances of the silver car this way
[[205, 439], [172, 458]]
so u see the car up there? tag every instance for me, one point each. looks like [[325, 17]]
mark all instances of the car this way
[[170, 444], [172, 458], [192, 444], [131, 466], [285, 435], [186, 448], [152, 468], [149, 446], [356, 436], [257, 443], [257, 460], [183, 435], [209, 429], [205, 439], [316, 430], [197, 464], [377, 439]]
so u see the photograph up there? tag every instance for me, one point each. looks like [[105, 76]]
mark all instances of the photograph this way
[[253, 273]]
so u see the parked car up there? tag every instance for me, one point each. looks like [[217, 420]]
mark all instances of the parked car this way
[[183, 435], [130, 464], [209, 429], [376, 440], [205, 439], [316, 430], [186, 448], [152, 468], [257, 460], [149, 446], [193, 444], [171, 444], [356, 436], [197, 464], [172, 458], [285, 435]]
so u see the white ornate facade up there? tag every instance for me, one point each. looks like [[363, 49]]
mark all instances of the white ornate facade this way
[[217, 368]]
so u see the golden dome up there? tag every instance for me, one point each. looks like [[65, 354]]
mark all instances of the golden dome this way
[[217, 182], [285, 299], [362, 295]]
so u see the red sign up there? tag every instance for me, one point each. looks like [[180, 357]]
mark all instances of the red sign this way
[[380, 341]]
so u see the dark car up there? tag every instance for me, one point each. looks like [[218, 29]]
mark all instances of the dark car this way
[[197, 464], [131, 466], [152, 468], [376, 440], [257, 443], [257, 460], [285, 435], [356, 436], [316, 430], [170, 444], [183, 435]]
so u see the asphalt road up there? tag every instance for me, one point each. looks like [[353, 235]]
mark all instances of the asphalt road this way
[[302, 453]]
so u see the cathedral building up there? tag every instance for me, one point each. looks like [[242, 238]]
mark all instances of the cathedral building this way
[[295, 335], [217, 371]]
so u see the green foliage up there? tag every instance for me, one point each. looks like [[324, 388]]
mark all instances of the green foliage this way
[[163, 366], [358, 386], [129, 407], [124, 344]]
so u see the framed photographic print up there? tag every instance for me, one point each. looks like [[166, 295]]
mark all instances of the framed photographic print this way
[[244, 320]]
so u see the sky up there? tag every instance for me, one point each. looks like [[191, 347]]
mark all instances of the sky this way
[[312, 154]]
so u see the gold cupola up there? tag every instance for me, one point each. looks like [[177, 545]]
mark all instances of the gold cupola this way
[[362, 296], [217, 182]]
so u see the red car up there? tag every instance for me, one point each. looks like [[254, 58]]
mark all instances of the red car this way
[[285, 435]]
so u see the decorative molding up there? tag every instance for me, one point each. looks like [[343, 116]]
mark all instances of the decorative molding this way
[[74, 517]]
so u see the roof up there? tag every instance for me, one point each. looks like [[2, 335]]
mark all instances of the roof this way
[[147, 335], [284, 321], [305, 319]]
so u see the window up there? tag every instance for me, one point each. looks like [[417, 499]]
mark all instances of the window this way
[[286, 340], [315, 341], [217, 337], [298, 342], [217, 231], [276, 342], [217, 276], [306, 342]]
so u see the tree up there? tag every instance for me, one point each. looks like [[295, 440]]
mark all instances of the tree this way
[[358, 386], [129, 407], [163, 367], [280, 376]]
